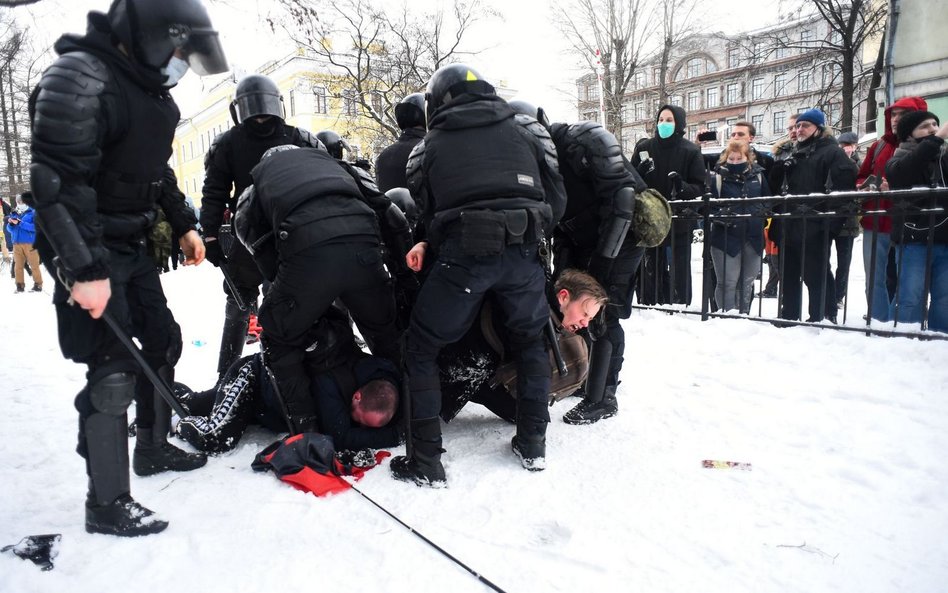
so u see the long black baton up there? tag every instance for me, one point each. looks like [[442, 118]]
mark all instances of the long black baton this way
[[160, 385], [233, 288], [555, 345]]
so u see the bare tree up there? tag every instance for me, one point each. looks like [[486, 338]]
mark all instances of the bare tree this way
[[850, 24], [379, 54], [677, 24], [17, 2], [612, 33]]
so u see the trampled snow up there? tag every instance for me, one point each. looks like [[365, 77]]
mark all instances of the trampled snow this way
[[848, 491]]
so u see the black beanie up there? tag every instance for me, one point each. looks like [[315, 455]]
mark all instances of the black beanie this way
[[909, 121]]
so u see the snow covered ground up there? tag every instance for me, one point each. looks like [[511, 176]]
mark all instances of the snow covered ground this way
[[848, 491]]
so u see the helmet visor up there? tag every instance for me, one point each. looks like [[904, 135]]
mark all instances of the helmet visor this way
[[203, 52], [254, 104]]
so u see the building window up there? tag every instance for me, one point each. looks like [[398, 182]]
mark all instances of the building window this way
[[319, 99], [803, 81], [832, 74], [656, 75], [730, 124], [758, 51], [711, 124], [757, 88], [711, 98], [758, 121], [693, 131], [734, 57], [782, 51], [732, 93], [780, 121], [780, 85], [592, 92], [836, 39], [640, 79], [349, 104], [693, 68], [693, 104], [639, 111], [675, 100], [806, 37]]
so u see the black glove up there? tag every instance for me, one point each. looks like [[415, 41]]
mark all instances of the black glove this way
[[213, 252], [646, 167]]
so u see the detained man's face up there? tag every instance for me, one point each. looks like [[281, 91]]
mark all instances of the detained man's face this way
[[577, 313], [365, 417]]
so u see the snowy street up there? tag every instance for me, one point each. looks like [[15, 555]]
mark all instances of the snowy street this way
[[847, 491]]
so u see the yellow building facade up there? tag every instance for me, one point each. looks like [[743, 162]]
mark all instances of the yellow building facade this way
[[315, 98]]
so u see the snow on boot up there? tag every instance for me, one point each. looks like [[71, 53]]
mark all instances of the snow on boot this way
[[589, 412], [531, 451], [424, 466], [122, 517]]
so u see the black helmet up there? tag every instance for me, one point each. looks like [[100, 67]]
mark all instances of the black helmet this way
[[152, 30], [529, 109], [334, 143], [410, 112], [401, 197], [256, 95], [449, 82]]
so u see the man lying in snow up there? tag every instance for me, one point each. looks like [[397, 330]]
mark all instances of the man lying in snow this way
[[356, 396]]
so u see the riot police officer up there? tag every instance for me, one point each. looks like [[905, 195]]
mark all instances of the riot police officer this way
[[600, 233], [314, 226], [257, 111], [102, 129], [489, 188], [390, 165]]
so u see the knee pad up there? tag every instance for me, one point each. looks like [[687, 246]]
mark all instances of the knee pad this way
[[113, 393]]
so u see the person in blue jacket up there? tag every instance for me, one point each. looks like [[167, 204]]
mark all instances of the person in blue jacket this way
[[21, 228], [737, 244]]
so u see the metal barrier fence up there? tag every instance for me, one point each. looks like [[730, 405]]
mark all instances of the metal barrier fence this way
[[805, 226]]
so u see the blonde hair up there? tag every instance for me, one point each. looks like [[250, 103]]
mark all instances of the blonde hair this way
[[737, 146]]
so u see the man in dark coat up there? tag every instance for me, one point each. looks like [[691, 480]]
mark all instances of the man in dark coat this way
[[315, 225], [816, 165], [655, 158], [489, 188], [102, 128], [390, 166], [257, 110], [355, 395]]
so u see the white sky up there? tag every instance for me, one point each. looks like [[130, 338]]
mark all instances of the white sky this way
[[522, 47]]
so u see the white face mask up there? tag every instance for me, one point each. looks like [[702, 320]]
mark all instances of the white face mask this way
[[174, 70]]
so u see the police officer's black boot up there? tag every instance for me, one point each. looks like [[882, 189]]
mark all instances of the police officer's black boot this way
[[153, 453], [233, 336], [424, 466], [109, 507], [529, 444], [600, 400]]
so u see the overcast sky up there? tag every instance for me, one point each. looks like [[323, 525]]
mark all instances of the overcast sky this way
[[521, 48]]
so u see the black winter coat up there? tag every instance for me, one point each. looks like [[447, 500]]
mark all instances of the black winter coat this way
[[815, 165], [390, 166], [674, 153], [919, 163]]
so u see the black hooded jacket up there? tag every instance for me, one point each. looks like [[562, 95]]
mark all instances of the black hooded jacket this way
[[674, 153], [390, 166], [919, 163], [105, 125]]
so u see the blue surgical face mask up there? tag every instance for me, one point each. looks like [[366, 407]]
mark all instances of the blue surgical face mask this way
[[665, 129], [175, 69]]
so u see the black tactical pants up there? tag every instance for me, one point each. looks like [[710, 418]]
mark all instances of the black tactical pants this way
[[306, 285], [449, 302], [138, 304]]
